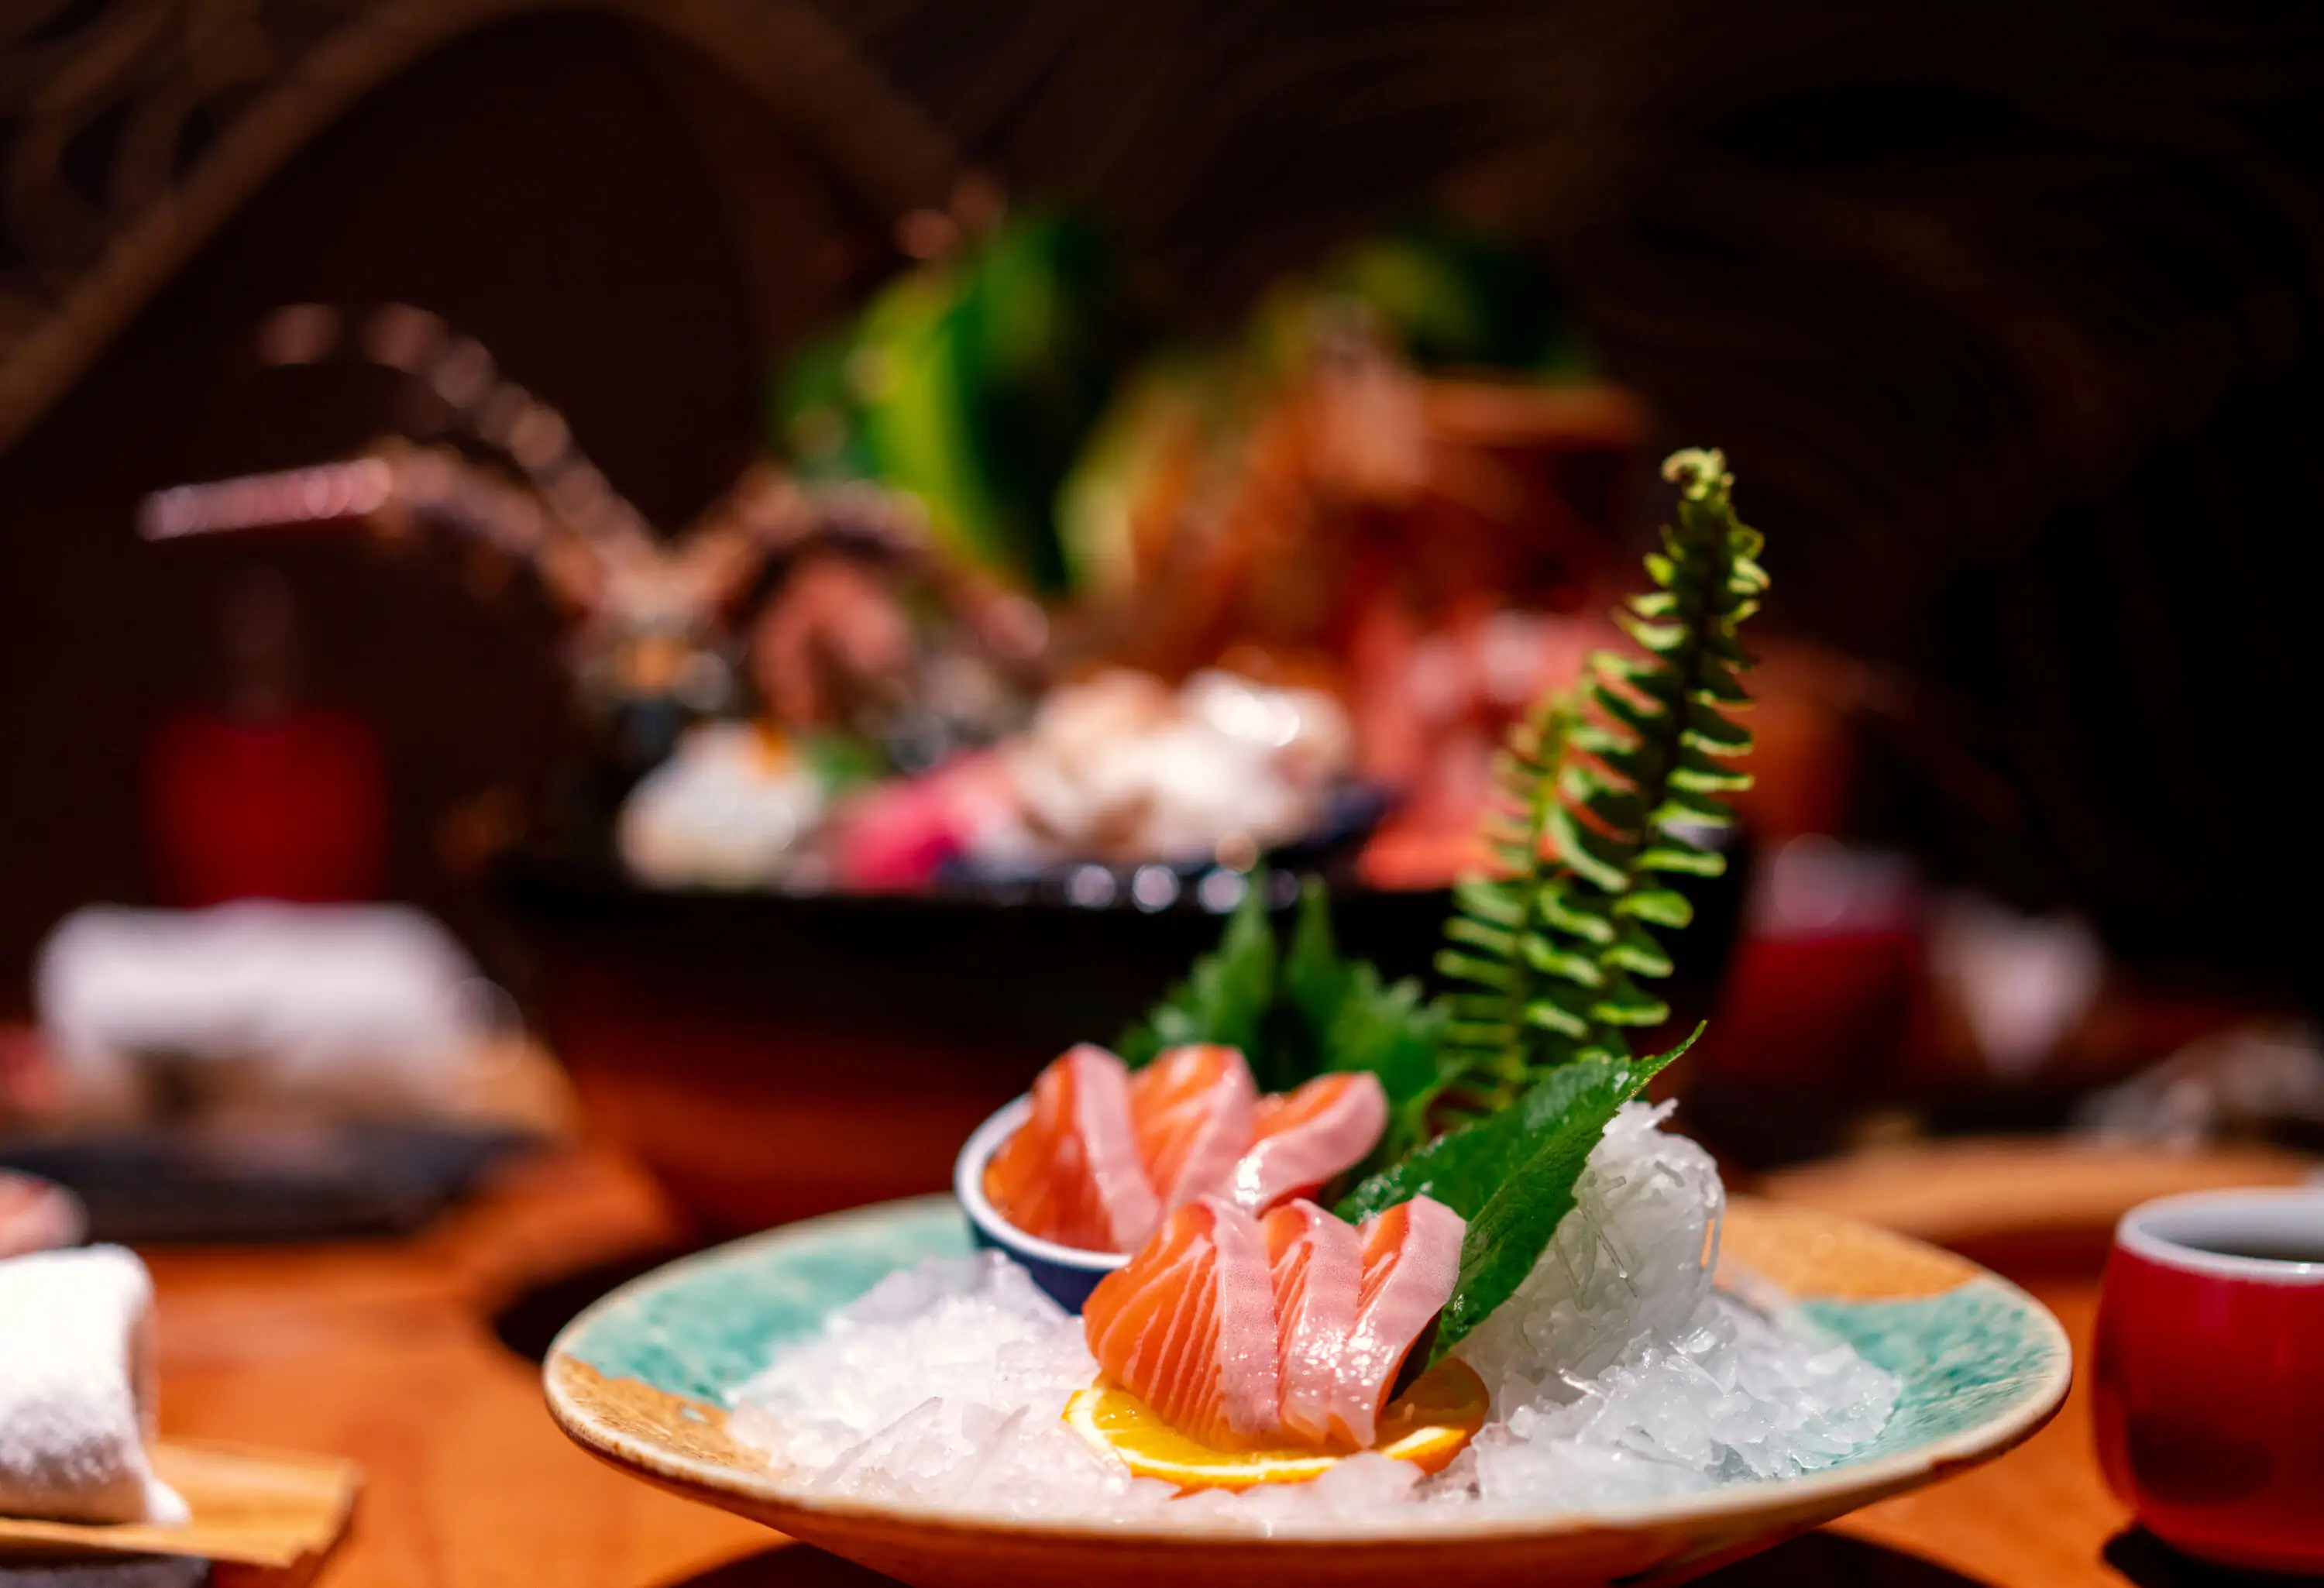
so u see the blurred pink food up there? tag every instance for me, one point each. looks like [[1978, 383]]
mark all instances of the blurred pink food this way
[[36, 1216], [896, 835]]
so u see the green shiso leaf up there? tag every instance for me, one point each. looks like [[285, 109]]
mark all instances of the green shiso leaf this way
[[1224, 999], [1350, 1020], [1296, 1013], [1463, 1168], [1315, 979], [1530, 1184]]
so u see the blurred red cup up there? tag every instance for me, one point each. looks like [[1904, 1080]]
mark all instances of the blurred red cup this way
[[2209, 1382]]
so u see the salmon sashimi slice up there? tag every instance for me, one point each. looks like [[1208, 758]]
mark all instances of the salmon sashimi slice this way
[[1188, 1326], [1193, 1110], [1072, 1174], [1316, 1261], [1411, 1258], [1301, 1139]]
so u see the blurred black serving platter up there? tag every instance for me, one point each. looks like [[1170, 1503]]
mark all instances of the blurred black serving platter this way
[[1352, 812], [170, 1185], [771, 1056], [1037, 958], [1036, 962]]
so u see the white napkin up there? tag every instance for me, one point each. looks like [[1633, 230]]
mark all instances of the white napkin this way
[[77, 1390], [323, 999]]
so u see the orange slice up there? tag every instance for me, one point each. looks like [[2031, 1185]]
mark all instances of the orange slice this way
[[1428, 1425]]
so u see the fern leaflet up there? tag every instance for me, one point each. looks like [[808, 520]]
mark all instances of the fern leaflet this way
[[1603, 793]]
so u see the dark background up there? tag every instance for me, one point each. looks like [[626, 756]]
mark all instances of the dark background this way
[[2009, 316]]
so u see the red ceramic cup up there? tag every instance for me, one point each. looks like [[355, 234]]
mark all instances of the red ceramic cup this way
[[2209, 1383]]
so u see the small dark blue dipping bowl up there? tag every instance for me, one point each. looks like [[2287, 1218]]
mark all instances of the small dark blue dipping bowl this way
[[1066, 1273]]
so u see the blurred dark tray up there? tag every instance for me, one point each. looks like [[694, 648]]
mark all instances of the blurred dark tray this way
[[153, 1187], [1013, 963], [1352, 812], [1041, 959], [771, 1056]]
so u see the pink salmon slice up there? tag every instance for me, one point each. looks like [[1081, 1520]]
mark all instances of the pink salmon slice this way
[[1071, 1173], [1192, 1111], [1303, 1139], [1188, 1326], [1411, 1259], [1316, 1261]]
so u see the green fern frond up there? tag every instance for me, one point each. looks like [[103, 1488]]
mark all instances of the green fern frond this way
[[1495, 985], [1600, 787]]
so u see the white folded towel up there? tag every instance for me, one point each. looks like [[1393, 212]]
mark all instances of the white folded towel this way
[[322, 1000], [77, 1390]]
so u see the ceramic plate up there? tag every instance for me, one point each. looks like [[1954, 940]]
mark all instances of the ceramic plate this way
[[643, 1379]]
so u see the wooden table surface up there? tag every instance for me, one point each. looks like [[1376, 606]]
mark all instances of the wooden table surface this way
[[387, 1352]]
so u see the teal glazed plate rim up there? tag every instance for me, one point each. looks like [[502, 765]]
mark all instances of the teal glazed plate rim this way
[[644, 1377]]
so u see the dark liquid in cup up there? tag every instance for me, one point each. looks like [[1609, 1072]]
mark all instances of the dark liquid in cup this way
[[2266, 1247]]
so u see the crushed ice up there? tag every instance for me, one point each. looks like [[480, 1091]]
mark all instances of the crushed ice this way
[[1618, 1373]]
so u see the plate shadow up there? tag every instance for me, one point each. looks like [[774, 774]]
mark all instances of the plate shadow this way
[[1812, 1560], [529, 1322], [2149, 1562]]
